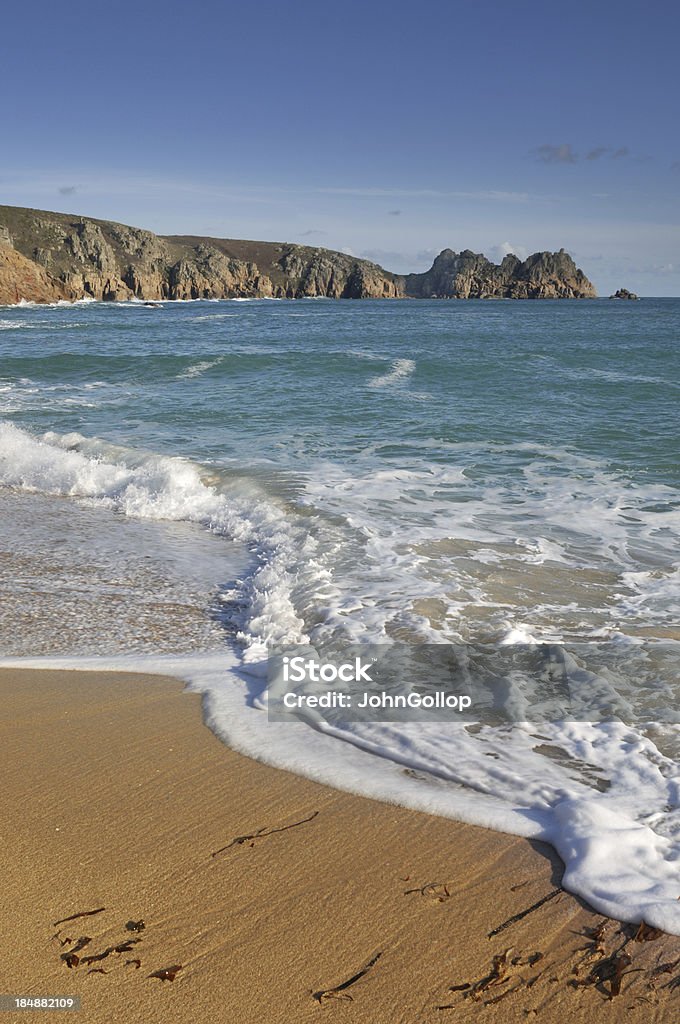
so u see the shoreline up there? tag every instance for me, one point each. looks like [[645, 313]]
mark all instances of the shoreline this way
[[117, 796], [24, 303]]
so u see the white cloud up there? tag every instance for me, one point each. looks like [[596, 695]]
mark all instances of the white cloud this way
[[497, 252]]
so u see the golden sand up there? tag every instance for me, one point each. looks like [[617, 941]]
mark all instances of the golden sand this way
[[116, 796]]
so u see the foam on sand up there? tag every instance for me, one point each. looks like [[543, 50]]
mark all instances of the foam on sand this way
[[606, 795]]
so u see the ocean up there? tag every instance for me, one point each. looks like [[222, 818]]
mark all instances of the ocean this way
[[186, 488]]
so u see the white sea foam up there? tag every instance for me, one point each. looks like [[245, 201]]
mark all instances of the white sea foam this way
[[37, 325], [607, 795], [24, 395], [155, 487], [652, 595], [620, 847], [213, 316], [198, 369], [401, 370], [360, 353], [25, 304], [136, 303]]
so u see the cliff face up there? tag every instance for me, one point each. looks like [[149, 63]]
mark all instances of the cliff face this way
[[23, 279], [468, 275], [310, 272], [55, 255]]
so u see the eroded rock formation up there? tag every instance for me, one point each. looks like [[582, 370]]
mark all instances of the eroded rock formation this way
[[57, 255], [469, 275]]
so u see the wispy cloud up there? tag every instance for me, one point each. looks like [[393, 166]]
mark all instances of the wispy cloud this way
[[395, 213], [310, 232], [133, 185], [424, 193], [123, 185], [68, 190], [563, 154]]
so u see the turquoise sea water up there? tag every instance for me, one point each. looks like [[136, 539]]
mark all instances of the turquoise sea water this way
[[463, 445], [310, 379], [220, 476]]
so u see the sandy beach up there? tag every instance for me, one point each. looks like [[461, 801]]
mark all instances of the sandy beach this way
[[117, 798]]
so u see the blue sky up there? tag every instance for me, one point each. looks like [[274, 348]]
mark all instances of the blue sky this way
[[389, 130]]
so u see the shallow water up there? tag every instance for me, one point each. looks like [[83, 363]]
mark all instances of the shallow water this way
[[216, 477]]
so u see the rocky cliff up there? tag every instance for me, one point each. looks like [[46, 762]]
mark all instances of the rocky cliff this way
[[469, 275], [23, 279], [48, 256]]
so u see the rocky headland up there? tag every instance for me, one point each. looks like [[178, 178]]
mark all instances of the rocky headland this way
[[468, 275], [45, 257]]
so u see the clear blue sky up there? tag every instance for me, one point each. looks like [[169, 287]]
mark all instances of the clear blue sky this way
[[387, 129]]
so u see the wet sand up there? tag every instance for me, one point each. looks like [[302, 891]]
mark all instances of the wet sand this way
[[116, 796]]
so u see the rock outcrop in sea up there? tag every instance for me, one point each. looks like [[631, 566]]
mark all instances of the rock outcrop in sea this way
[[49, 256], [623, 293], [468, 275]]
